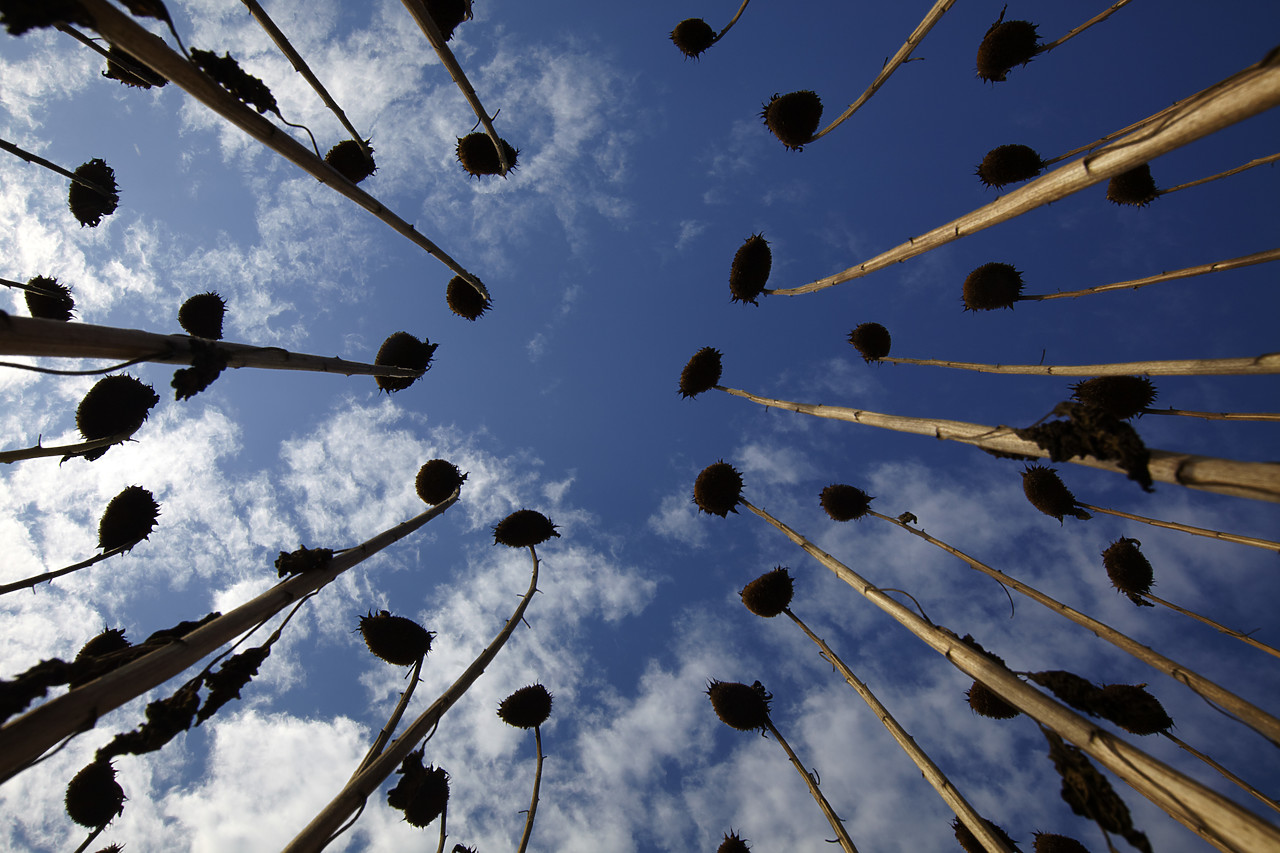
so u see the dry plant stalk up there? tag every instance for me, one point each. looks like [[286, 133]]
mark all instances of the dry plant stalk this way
[[1261, 365], [1222, 629], [1096, 19], [1205, 812], [842, 835], [1188, 272], [1187, 528], [39, 451], [389, 729], [537, 784], [1226, 774], [1260, 161]]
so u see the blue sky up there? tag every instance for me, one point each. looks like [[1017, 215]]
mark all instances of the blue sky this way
[[607, 252]]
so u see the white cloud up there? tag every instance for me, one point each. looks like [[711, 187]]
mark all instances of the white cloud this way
[[677, 518]]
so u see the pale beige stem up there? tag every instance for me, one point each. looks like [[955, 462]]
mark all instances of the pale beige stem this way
[[1256, 480], [37, 160], [931, 772], [1216, 416], [917, 35], [1223, 629], [31, 582], [1241, 96], [9, 456], [537, 783], [1261, 365], [1227, 774], [842, 835], [1098, 18], [1257, 719], [394, 720], [418, 9], [1188, 272], [124, 33], [733, 21], [1210, 815], [1187, 528], [1261, 161], [322, 827], [24, 738]]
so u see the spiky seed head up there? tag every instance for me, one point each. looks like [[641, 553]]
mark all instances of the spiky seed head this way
[[448, 14], [527, 707], [89, 205], [403, 350], [970, 843], [129, 518], [844, 502], [94, 796], [395, 639], [793, 117], [769, 594], [348, 159], [115, 404], [702, 373], [733, 844], [744, 707], [458, 848], [478, 156], [1047, 493], [1133, 709], [693, 36], [112, 848], [987, 703], [240, 84], [749, 272], [422, 792], [1009, 164], [437, 479], [49, 300], [131, 72], [1122, 397], [1048, 842], [992, 286], [201, 315], [19, 17], [871, 340], [110, 640], [464, 300], [718, 489], [1078, 692], [1128, 568], [524, 528], [1135, 187], [1005, 45]]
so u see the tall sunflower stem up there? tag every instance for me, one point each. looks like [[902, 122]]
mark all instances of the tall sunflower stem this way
[[1188, 272], [34, 580], [1187, 528], [742, 8], [1219, 627], [1260, 365], [1227, 774], [537, 783], [394, 720], [842, 835], [39, 451], [37, 160], [1261, 161], [1096, 19]]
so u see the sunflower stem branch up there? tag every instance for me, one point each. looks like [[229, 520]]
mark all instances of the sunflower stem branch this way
[[394, 720], [1265, 364], [33, 581], [1261, 161], [10, 456], [1188, 272], [1227, 774], [1222, 629], [846, 843], [742, 8], [1096, 19], [37, 160], [1267, 544], [537, 783]]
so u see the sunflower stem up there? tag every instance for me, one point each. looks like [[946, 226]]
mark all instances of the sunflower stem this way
[[1223, 629], [1187, 528], [1188, 272], [537, 783], [34, 580], [10, 456], [1096, 19], [742, 8], [1261, 161], [51, 166], [832, 818], [1265, 364], [1227, 774], [389, 729]]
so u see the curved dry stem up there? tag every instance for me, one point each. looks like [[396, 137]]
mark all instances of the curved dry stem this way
[[98, 830], [537, 783], [321, 828], [733, 21], [1188, 272], [842, 835], [37, 160], [917, 35], [1205, 812], [1261, 365], [9, 456], [394, 720], [1257, 719], [1261, 161], [931, 772], [1227, 774], [31, 582], [1216, 416], [1222, 629], [1241, 96], [1256, 480], [1096, 19], [1187, 528]]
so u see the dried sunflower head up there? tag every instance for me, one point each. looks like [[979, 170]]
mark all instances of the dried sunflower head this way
[[1122, 397], [94, 797], [348, 159], [404, 350], [422, 792], [871, 340], [741, 706], [992, 286], [733, 844], [201, 316], [524, 528], [769, 594], [49, 300], [437, 479], [702, 373], [478, 156], [114, 405], [844, 502], [718, 489], [129, 518], [464, 300], [90, 203], [395, 639], [1009, 164], [693, 36], [1047, 842], [793, 117], [750, 270], [1129, 570], [1047, 493], [1135, 188], [1006, 44], [527, 707]]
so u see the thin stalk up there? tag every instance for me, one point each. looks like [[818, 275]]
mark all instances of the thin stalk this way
[[1233, 778], [1205, 812], [10, 456], [1216, 416], [733, 21], [418, 9], [1257, 719], [917, 35], [123, 32], [389, 729], [26, 737], [300, 65], [1223, 629], [1096, 19], [1188, 272], [53, 338], [322, 827], [1261, 161], [537, 783], [1243, 95], [444, 813], [1256, 480], [84, 845], [1187, 528], [931, 772], [1267, 363], [31, 582], [37, 160], [842, 834]]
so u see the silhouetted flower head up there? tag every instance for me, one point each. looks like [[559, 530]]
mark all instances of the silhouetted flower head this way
[[992, 286], [89, 205], [1122, 397], [1047, 493], [527, 707], [769, 594], [871, 340], [478, 156], [1133, 709], [523, 528], [1129, 570], [844, 502], [422, 792], [987, 703], [395, 639], [693, 36], [718, 489], [129, 518], [348, 159], [1009, 164], [733, 844], [448, 14], [110, 640], [749, 272], [131, 72], [49, 300], [240, 84], [1135, 187], [404, 350], [1005, 45], [970, 843], [793, 117], [1047, 842], [114, 405], [742, 706], [464, 300], [94, 797], [437, 479], [702, 373], [201, 316]]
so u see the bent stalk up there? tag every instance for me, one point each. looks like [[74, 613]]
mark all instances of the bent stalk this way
[[1187, 528], [1222, 629], [1096, 19], [10, 456], [1264, 364], [1188, 272], [537, 783], [846, 843]]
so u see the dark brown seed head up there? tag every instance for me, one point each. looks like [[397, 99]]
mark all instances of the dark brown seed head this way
[[49, 300], [201, 316], [718, 489], [129, 71], [793, 117], [1078, 692], [129, 518], [769, 594], [1009, 164], [478, 156], [437, 479], [89, 205], [448, 14], [526, 708], [992, 286], [116, 404], [1135, 187], [239, 83], [395, 639], [1128, 568], [403, 350], [348, 159], [985, 702], [19, 16], [94, 796], [524, 528], [1047, 493], [464, 300], [422, 792], [744, 707], [110, 640], [732, 844], [871, 340], [1005, 45], [693, 36], [1133, 709], [702, 373], [1047, 842], [970, 843], [844, 502], [750, 270], [1122, 397]]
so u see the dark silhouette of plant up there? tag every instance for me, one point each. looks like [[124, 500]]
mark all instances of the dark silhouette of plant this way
[[528, 708], [93, 193], [693, 35]]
